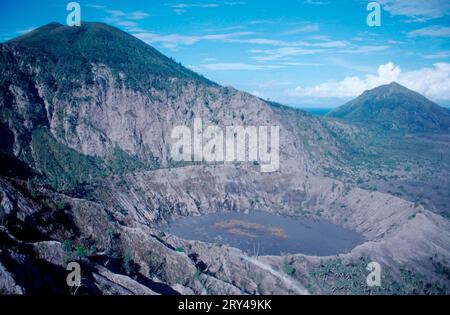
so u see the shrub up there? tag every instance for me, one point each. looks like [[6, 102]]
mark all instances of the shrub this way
[[110, 217], [288, 269], [442, 270], [127, 262], [67, 245], [81, 251], [63, 166], [155, 265], [62, 205]]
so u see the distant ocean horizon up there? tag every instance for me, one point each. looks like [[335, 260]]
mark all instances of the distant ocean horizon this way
[[317, 111], [324, 111]]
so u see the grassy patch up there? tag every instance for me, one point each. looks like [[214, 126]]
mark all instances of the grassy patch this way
[[335, 276], [63, 166]]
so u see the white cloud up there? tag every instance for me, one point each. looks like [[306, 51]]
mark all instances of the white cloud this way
[[345, 63], [315, 2], [26, 30], [287, 47], [295, 49], [260, 41], [234, 66], [271, 83], [173, 40], [395, 42], [180, 8], [96, 6], [257, 93], [364, 50], [431, 31], [232, 3], [438, 55], [136, 15], [432, 82], [330, 44], [187, 5], [276, 42], [282, 53], [231, 66], [300, 64], [127, 20], [210, 59], [304, 29], [205, 5], [420, 10], [260, 22]]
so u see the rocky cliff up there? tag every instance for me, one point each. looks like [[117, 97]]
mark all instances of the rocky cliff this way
[[85, 117]]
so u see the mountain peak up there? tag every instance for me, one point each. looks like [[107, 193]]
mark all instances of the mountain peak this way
[[59, 31], [50, 25], [78, 48], [395, 84], [391, 88], [394, 107]]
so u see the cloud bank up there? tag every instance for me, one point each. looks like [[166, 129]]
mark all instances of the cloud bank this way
[[433, 82], [420, 10]]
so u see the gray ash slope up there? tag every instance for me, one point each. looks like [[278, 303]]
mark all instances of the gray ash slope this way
[[86, 115]]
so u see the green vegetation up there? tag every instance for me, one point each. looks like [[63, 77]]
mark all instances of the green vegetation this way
[[197, 274], [64, 167], [179, 249], [120, 162], [71, 51], [203, 280], [442, 269], [62, 205], [288, 268], [110, 217], [67, 245], [155, 265], [336, 276], [302, 212], [155, 270], [127, 263], [80, 250]]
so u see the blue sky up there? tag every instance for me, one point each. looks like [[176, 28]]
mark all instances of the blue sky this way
[[305, 53]]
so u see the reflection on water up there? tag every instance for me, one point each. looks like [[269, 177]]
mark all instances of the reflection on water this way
[[267, 234]]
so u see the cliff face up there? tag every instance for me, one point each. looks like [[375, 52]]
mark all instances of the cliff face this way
[[107, 100]]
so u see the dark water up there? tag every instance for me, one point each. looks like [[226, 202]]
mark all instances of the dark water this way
[[317, 111], [273, 234]]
